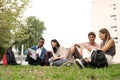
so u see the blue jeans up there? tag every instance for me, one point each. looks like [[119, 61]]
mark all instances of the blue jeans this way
[[58, 62]]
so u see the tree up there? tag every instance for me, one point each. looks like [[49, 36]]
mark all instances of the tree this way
[[10, 15], [29, 32], [35, 29], [20, 36]]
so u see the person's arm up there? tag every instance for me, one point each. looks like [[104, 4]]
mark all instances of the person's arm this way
[[79, 49], [54, 54], [62, 53], [54, 57], [28, 52], [43, 52], [90, 48], [108, 45]]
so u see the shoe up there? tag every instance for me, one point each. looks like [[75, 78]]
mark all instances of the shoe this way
[[79, 63], [68, 63], [51, 64]]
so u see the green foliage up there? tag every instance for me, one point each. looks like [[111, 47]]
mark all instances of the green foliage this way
[[20, 36], [59, 73], [10, 15], [2, 50], [13, 30], [29, 32], [35, 29]]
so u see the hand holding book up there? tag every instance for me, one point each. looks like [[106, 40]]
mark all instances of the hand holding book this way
[[32, 53]]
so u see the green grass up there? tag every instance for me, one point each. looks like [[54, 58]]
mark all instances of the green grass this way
[[73, 72]]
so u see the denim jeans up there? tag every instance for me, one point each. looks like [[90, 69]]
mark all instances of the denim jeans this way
[[57, 62]]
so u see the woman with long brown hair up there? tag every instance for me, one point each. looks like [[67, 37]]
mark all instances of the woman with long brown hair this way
[[107, 45]]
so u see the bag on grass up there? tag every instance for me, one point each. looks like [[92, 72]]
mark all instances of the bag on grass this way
[[9, 58], [98, 59]]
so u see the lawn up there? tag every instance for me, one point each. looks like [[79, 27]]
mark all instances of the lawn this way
[[73, 72]]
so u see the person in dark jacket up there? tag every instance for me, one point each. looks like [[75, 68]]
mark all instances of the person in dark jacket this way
[[40, 52]]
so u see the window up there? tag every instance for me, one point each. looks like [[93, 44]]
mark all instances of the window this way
[[113, 26]]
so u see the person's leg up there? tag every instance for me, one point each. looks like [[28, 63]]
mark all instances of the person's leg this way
[[79, 63], [73, 51], [30, 60], [77, 54], [82, 63], [109, 58], [59, 62], [69, 55], [50, 61], [48, 55], [39, 61]]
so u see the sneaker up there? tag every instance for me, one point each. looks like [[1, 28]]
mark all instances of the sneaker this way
[[68, 63], [79, 63], [51, 64]]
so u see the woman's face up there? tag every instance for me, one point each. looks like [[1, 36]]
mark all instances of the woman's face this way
[[53, 44], [101, 36]]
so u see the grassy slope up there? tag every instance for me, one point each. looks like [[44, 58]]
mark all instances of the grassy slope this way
[[58, 73]]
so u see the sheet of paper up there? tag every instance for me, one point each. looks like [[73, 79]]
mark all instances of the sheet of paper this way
[[33, 53]]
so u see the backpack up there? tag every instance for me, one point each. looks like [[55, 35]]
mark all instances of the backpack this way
[[9, 58], [98, 59]]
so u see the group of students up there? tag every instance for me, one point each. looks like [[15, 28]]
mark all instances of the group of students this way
[[60, 55]]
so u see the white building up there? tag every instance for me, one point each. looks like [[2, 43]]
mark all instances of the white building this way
[[106, 14]]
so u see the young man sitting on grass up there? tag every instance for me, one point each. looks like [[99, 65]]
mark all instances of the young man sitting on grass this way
[[38, 55]]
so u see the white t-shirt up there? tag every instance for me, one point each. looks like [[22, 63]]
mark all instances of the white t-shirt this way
[[39, 50]]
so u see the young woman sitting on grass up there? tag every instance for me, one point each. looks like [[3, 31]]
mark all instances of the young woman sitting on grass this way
[[107, 45], [58, 52]]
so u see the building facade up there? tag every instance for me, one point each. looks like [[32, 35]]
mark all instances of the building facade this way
[[106, 14]]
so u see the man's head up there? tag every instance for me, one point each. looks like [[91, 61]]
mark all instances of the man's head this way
[[91, 36], [41, 42]]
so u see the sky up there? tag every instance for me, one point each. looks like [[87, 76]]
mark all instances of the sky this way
[[68, 21]]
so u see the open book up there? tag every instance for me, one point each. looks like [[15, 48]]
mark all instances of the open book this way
[[33, 53]]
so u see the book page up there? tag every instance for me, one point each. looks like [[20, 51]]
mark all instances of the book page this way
[[33, 53]]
